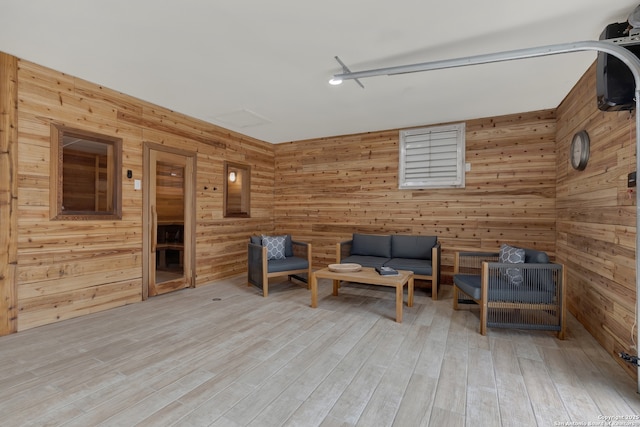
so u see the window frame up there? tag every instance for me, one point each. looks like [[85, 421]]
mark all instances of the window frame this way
[[458, 181], [244, 173], [58, 132]]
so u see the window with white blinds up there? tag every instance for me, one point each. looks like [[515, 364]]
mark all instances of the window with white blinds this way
[[432, 157]]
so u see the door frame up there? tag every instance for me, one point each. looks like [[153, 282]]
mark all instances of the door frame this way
[[189, 265]]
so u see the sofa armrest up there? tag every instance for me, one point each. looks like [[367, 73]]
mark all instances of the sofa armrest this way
[[343, 250]]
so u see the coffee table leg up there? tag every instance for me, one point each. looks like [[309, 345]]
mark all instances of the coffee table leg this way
[[399, 302], [410, 293], [336, 285], [314, 290]]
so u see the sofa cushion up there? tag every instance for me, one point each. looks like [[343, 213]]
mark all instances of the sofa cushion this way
[[365, 261], [412, 247], [275, 246], [371, 245], [511, 255], [418, 266], [287, 264]]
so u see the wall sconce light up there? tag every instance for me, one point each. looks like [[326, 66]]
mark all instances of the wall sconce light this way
[[232, 176]]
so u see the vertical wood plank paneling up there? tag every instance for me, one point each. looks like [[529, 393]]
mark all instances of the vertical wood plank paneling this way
[[8, 192], [71, 268], [329, 188], [596, 225]]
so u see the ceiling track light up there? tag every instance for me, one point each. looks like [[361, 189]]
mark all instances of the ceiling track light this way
[[335, 80], [601, 46]]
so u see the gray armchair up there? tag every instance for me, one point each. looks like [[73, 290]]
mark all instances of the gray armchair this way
[[294, 262], [536, 300]]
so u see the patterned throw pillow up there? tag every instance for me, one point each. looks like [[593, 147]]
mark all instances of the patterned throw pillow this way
[[510, 255], [275, 246]]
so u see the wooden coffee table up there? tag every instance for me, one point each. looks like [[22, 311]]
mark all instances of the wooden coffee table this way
[[369, 276]]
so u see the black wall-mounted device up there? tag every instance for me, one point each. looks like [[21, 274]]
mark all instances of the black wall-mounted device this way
[[615, 86]]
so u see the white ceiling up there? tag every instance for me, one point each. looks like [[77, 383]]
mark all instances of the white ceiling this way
[[262, 67]]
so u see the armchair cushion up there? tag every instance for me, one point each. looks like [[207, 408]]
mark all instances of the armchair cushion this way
[[287, 264], [371, 245], [510, 255], [288, 246], [412, 247], [535, 257]]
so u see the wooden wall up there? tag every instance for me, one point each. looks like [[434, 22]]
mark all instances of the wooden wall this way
[[70, 268], [596, 226], [8, 193], [329, 188]]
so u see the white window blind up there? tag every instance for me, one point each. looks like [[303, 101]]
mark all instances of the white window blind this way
[[432, 157]]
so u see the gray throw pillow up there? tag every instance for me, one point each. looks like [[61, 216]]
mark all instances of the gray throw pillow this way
[[275, 246], [510, 255]]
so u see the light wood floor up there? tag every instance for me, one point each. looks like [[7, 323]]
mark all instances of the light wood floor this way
[[222, 355]]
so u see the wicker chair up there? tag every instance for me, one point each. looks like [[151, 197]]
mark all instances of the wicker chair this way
[[297, 263], [537, 301]]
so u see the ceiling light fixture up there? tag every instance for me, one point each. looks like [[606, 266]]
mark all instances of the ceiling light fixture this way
[[345, 70], [232, 176]]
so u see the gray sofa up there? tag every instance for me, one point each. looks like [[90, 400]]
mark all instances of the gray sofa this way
[[420, 254], [529, 294]]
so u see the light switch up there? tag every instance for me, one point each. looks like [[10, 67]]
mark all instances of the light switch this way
[[137, 184]]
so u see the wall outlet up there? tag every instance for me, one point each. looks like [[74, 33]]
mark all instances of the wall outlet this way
[[137, 184]]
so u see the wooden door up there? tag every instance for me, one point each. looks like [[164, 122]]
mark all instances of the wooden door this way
[[169, 219]]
